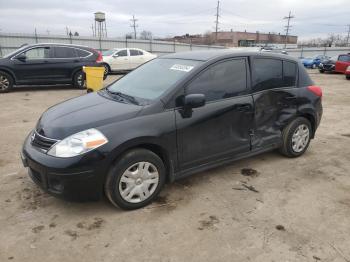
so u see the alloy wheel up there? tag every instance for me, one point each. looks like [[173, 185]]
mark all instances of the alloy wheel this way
[[106, 69], [138, 182], [4, 83], [80, 79], [300, 138]]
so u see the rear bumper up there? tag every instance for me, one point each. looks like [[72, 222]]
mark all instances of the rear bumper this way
[[67, 178]]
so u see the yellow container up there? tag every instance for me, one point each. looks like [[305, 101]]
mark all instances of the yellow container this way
[[94, 78]]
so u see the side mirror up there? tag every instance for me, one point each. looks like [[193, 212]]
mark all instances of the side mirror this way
[[194, 100], [21, 57], [191, 101]]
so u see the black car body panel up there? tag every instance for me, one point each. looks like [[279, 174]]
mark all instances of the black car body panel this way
[[187, 141], [49, 67]]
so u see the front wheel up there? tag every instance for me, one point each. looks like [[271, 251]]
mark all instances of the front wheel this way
[[321, 71], [79, 80], [347, 77], [296, 137], [6, 82], [135, 180]]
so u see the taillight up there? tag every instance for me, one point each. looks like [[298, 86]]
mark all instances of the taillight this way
[[316, 90], [99, 57]]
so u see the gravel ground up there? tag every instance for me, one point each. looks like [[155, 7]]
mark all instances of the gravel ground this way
[[299, 212]]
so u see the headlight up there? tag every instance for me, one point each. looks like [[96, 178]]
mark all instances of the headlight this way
[[78, 143], [320, 64]]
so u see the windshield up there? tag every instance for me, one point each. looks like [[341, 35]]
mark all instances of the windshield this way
[[13, 52], [153, 78], [108, 52]]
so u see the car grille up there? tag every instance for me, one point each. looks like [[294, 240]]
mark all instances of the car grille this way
[[42, 142], [327, 66]]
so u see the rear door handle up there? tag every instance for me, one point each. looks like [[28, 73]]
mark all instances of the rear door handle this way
[[243, 108], [290, 97]]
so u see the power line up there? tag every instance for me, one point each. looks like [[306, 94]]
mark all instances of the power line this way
[[288, 26], [134, 25], [217, 21]]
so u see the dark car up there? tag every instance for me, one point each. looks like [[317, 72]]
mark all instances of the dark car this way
[[338, 64], [46, 64], [171, 117]]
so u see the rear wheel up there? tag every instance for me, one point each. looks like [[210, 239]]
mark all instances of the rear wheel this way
[[79, 80], [347, 77], [6, 82], [135, 180], [313, 66], [107, 69], [296, 137]]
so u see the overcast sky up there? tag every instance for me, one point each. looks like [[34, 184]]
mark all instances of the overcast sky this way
[[167, 18]]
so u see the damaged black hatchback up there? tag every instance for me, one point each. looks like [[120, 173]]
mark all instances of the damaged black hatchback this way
[[174, 116]]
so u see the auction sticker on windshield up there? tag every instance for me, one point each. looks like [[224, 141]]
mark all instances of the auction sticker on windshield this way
[[184, 68]]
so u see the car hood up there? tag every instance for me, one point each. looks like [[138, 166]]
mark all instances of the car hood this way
[[81, 113], [329, 61]]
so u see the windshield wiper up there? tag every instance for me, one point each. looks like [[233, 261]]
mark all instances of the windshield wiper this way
[[124, 96]]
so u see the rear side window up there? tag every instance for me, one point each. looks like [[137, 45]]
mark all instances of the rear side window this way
[[65, 52], [267, 74], [135, 52], [222, 80], [82, 53], [344, 58], [289, 74]]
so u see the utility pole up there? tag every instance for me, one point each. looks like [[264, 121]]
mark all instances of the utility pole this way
[[288, 26], [348, 37], [217, 21], [134, 25]]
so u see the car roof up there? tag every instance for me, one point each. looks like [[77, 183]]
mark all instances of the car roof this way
[[57, 44], [206, 55]]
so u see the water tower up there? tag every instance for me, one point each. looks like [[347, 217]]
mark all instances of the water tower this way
[[100, 25]]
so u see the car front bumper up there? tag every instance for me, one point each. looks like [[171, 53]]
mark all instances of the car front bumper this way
[[76, 179]]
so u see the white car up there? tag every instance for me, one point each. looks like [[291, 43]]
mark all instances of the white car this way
[[125, 59]]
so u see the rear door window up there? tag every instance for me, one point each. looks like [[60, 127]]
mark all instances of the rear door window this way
[[221, 80], [134, 52], [65, 52], [267, 74], [289, 74]]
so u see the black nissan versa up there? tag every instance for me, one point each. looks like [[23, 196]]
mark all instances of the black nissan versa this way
[[171, 117], [46, 64]]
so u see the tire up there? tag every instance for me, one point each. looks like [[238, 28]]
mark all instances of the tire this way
[[313, 66], [123, 187], [347, 77], [290, 138], [6, 82], [321, 71], [107, 69], [79, 80]]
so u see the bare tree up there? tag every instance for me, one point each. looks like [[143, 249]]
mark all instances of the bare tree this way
[[146, 35]]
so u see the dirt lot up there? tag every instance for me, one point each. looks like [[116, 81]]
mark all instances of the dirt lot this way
[[300, 212]]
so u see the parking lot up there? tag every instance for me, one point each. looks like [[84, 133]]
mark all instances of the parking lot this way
[[295, 210]]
